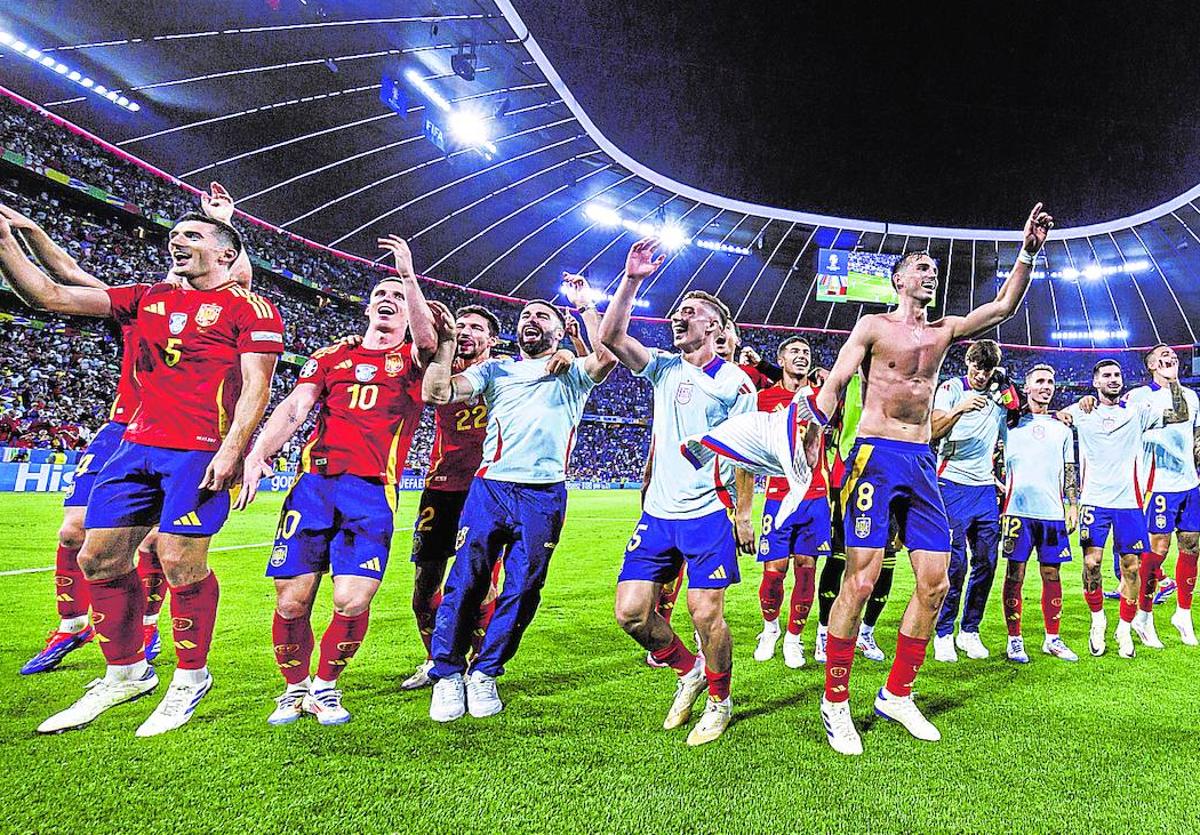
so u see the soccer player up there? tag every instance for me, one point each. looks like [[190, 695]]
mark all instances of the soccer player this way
[[338, 515], [800, 540], [71, 591], [728, 342], [968, 424], [1172, 497], [206, 349], [685, 516], [1039, 457], [459, 432], [892, 468], [1110, 448], [517, 499]]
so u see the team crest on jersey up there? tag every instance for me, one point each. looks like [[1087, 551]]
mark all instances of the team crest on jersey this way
[[1039, 432], [1109, 424], [1160, 521], [683, 394], [461, 539], [278, 556], [862, 527], [177, 323], [393, 364], [207, 315], [365, 373], [309, 369], [1085, 533], [764, 547]]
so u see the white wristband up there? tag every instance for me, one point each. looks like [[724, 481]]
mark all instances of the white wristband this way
[[1025, 258]]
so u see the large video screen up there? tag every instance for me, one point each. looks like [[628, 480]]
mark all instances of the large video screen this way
[[845, 276]]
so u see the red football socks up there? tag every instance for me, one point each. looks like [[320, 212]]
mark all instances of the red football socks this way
[[293, 646], [910, 655], [481, 626], [676, 656], [425, 609], [1185, 576], [339, 643], [1012, 607], [718, 684], [193, 616], [669, 594], [117, 615], [1128, 610], [770, 593], [1148, 570], [839, 655], [70, 589], [1051, 605], [153, 581], [1095, 599], [803, 590]]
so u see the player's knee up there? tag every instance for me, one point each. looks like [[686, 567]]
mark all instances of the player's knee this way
[[352, 602], [290, 608], [1189, 542], [858, 587], [635, 620], [932, 588], [70, 534]]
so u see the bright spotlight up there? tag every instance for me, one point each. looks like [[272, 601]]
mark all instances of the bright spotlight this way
[[6, 38], [87, 82], [602, 215], [672, 236]]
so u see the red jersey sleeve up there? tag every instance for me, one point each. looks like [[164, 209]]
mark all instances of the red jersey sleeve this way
[[260, 327], [124, 301], [316, 370]]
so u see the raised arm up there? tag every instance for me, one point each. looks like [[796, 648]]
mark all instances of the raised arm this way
[[53, 258], [1012, 291], [420, 316], [281, 425], [1178, 413], [226, 466], [37, 290], [640, 264], [600, 362], [848, 361], [218, 204], [440, 385]]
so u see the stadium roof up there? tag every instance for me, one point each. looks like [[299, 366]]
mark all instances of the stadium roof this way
[[281, 101]]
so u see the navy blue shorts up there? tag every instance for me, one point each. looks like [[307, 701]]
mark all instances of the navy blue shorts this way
[[1127, 526], [143, 486], [659, 547], [338, 523], [92, 462], [886, 477], [1021, 537], [1169, 512], [806, 532]]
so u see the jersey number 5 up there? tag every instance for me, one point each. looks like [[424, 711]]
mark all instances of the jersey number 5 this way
[[171, 353]]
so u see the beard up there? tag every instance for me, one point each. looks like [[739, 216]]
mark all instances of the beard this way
[[534, 347]]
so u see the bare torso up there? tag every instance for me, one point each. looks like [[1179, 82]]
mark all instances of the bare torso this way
[[904, 360]]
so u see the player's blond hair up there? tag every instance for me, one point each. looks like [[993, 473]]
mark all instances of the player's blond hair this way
[[1041, 366], [712, 301]]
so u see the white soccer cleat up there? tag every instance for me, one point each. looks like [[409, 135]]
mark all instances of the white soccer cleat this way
[[1054, 645], [420, 678], [839, 728], [904, 710], [687, 691], [822, 639], [1096, 642], [943, 649], [713, 722], [449, 700], [101, 695], [969, 643], [1143, 627], [482, 698], [326, 705], [651, 661], [1125, 640], [767, 639], [1182, 620], [176, 708], [793, 651], [289, 706], [1016, 650], [867, 646]]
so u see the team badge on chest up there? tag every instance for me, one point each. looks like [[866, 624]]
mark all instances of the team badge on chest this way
[[393, 364], [364, 373], [177, 323], [683, 394], [207, 315]]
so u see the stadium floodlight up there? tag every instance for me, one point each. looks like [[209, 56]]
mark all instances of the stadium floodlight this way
[[718, 246], [472, 130], [1092, 272], [35, 55], [1090, 335], [602, 215], [599, 296], [672, 236], [426, 89]]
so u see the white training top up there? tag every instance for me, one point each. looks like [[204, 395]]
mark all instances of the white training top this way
[[1168, 462], [532, 417], [965, 455], [1110, 448], [689, 400], [1036, 454]]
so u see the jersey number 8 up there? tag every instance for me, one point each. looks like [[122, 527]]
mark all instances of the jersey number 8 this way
[[864, 497]]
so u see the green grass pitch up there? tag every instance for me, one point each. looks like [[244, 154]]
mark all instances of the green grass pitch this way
[[1098, 746]]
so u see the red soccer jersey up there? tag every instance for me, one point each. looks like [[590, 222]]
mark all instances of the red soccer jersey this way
[[457, 445], [372, 406], [772, 400], [761, 381], [127, 399], [187, 361]]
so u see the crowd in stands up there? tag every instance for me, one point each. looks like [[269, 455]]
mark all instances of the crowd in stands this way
[[57, 374]]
